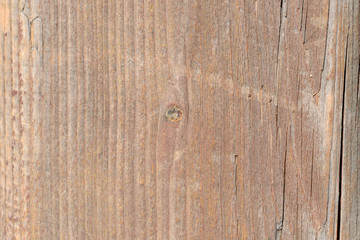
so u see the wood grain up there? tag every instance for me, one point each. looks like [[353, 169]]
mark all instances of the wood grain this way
[[265, 144], [349, 209]]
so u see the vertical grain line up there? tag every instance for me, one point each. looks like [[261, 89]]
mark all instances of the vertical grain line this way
[[112, 131], [72, 113], [54, 103], [24, 91], [66, 119], [106, 118], [89, 132], [119, 151], [130, 118], [16, 144], [9, 202], [97, 92], [63, 113], [140, 117], [58, 116], [3, 127], [80, 120]]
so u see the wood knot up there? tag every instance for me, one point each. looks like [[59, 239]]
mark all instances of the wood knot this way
[[174, 114]]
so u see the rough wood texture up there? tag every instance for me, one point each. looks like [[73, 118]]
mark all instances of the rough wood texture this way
[[350, 160], [264, 142]]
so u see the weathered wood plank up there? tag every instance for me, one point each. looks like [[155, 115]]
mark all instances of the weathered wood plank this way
[[262, 144], [350, 159]]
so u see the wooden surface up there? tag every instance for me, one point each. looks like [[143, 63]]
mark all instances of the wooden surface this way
[[179, 119]]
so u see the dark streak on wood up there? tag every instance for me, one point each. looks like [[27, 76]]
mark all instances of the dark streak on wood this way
[[342, 140]]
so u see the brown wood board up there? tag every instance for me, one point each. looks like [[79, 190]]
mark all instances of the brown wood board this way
[[179, 119]]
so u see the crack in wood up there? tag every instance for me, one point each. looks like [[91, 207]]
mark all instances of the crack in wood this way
[[342, 141]]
